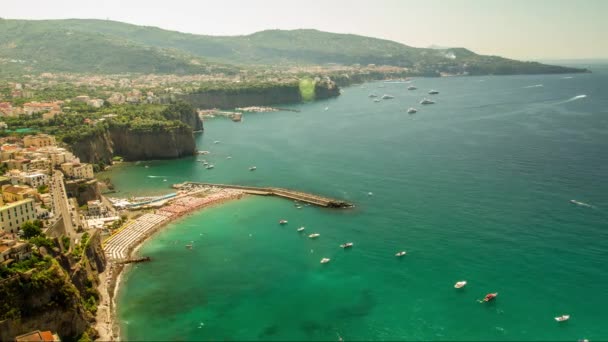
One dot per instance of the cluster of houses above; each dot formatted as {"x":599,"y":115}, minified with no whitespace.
{"x":30,"y":167}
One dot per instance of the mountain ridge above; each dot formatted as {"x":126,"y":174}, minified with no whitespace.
{"x":104,"y":46}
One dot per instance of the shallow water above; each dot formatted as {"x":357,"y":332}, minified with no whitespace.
{"x":475,"y":187}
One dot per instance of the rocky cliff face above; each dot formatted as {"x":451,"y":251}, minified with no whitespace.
{"x":229,"y":98}
{"x":144,"y":145}
{"x":94,"y":149}
{"x":53,"y":299}
{"x":83,"y":190}
{"x":326,"y":89}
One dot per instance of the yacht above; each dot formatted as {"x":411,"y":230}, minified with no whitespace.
{"x":400,"y":254}
{"x":373,"y":95}
{"x":253,"y":168}
{"x":210,"y":166}
{"x":411,"y":110}
{"x":376,"y":100}
{"x":314,"y":235}
{"x":387,"y":97}
{"x":562,"y":318}
{"x":301,"y":229}
{"x":325,"y":260}
{"x":346,"y":245}
{"x":433,"y":92}
{"x":283,"y":222}
{"x":460,"y":284}
{"x":411,"y":88}
{"x":216,"y":142}
{"x":426,"y":101}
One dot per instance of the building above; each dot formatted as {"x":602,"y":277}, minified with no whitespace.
{"x":14,"y":193}
{"x":35,"y":180}
{"x":39,"y":107}
{"x":13,"y":215}
{"x":95,"y":208}
{"x":39,"y":140}
{"x":38,"y":336}
{"x":75,"y":170}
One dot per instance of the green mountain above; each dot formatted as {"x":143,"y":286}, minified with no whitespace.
{"x":109,"y":46}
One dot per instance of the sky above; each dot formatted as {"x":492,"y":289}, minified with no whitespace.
{"x":520,"y":29}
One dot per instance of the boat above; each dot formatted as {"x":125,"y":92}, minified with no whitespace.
{"x":210,"y":166}
{"x":489,"y":297}
{"x":216,"y":142}
{"x":314,"y":235}
{"x":400,"y":254}
{"x":229,"y":157}
{"x":301,"y":229}
{"x":411,"y":110}
{"x":189,"y":246}
{"x":346,"y":245}
{"x":376,"y":100}
{"x":460,"y":284}
{"x":298,"y":207}
{"x":373,"y":95}
{"x":426,"y":101}
{"x":562,"y":318}
{"x":370,"y":194}
{"x":433,"y":92}
{"x":325,"y":260}
{"x":387,"y":97}
{"x":205,"y":163}
{"x":326,"y":108}
{"x":253,"y":168}
{"x":282,"y":221}
{"x":411,"y":88}
{"x":203,"y":152}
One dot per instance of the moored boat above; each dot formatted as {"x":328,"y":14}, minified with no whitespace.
{"x":433,"y":92}
{"x":489,"y":297}
{"x":460,"y":284}
{"x":301,"y":229}
{"x":411,"y":88}
{"x":282,"y":221}
{"x":253,"y":168}
{"x":562,"y":318}
{"x":314,"y":235}
{"x":426,"y":102}
{"x":387,"y":97}
{"x":411,"y":110}
{"x":325,"y":260}
{"x":400,"y":254}
{"x":346,"y":245}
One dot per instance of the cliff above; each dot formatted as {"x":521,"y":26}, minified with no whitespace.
{"x":83,"y":190}
{"x":326,"y":89}
{"x":231,"y":96}
{"x":134,"y":144}
{"x":54,"y":297}
{"x":94,"y":148}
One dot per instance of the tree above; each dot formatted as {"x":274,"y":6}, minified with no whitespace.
{"x":30,"y":230}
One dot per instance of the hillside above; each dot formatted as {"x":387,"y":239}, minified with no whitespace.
{"x":108,"y":46}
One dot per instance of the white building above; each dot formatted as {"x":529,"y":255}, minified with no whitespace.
{"x":13,"y":215}
{"x":36,"y":179}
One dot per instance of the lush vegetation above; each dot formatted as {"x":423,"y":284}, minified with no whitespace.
{"x":307,"y":89}
{"x":102,"y":46}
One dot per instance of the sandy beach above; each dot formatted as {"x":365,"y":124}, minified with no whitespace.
{"x":110,"y":280}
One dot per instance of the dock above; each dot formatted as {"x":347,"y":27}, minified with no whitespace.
{"x":304,"y":197}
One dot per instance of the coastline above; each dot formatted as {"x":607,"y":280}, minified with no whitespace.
{"x":106,"y":322}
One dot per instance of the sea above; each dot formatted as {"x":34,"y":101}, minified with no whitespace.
{"x":475,"y":187}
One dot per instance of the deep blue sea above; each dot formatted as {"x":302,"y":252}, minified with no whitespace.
{"x":476,"y":187}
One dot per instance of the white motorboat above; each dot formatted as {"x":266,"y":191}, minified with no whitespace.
{"x":387,"y":97}
{"x":210,"y":166}
{"x":282,"y":221}
{"x":426,"y":102}
{"x":314,"y":235}
{"x":376,"y":100}
{"x":411,"y":88}
{"x":203,"y":152}
{"x":216,"y":142}
{"x":411,"y":110}
{"x":229,"y":157}
{"x":326,"y":108}
{"x":400,"y":254}
{"x":562,"y":318}
{"x":301,"y":229}
{"x":346,"y":245}
{"x":460,"y":284}
{"x":325,"y":260}
{"x":433,"y":92}
{"x":253,"y":168}
{"x":373,"y":95}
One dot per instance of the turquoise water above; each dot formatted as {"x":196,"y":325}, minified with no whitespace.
{"x":475,"y":187}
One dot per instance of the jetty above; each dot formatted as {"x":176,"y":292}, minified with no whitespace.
{"x":305,"y":197}
{"x":133,"y":260}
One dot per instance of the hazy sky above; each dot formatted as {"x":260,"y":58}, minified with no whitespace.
{"x":523,"y":29}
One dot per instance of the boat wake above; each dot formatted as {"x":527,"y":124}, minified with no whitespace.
{"x":581,"y":204}
{"x":577,"y":97}
{"x":567,"y":77}
{"x":157,"y":176}
{"x":534,"y":86}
